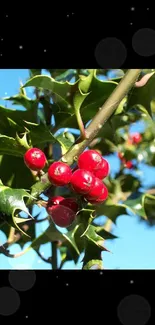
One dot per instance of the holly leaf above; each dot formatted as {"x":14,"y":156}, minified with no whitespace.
{"x":65,"y":142}
{"x":142,"y":96}
{"x":11,"y":146}
{"x":66,"y":76}
{"x":17,"y":116}
{"x":92,"y":236}
{"x":61,"y":90}
{"x":92,"y":257}
{"x":51,"y":234}
{"x":34,"y":72}
{"x":70,"y":236}
{"x":40,"y":133}
{"x":11,"y":201}
{"x":138,"y":205}
{"x":21,"y":99}
{"x":12,"y":172}
{"x":104,"y":233}
{"x":111,"y":210}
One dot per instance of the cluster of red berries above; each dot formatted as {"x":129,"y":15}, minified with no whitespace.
{"x":134,"y":138}
{"x":85,"y":181}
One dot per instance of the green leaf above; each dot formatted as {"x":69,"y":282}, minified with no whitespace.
{"x":143,"y":96}
{"x":12,"y":172}
{"x":34,"y":72}
{"x":11,"y":146}
{"x":70,"y":236}
{"x":92,"y":236}
{"x":137,"y":205}
{"x":40,"y":133}
{"x":85,"y":81}
{"x":11,"y":201}
{"x":51,"y":234}
{"x":65,"y":142}
{"x":66,"y":76}
{"x":129,"y":183}
{"x":85,"y":217}
{"x":17,"y":116}
{"x":22,"y":100}
{"x":104,"y":233}
{"x":93,"y":265}
{"x":111,"y":210}
{"x":61,"y":90}
{"x":92,"y":258}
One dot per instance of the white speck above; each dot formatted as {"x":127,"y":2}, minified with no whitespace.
{"x":66,"y":130}
{"x":1,"y":54}
{"x":138,"y":206}
{"x":140,"y":157}
{"x":152,"y":148}
{"x":68,"y":94}
{"x":57,"y":276}
{"x":148,"y":8}
{"x":42,"y":253}
{"x":69,"y":106}
{"x":131,"y":281}
{"x":67,"y":284}
{"x":100,"y":108}
{"x":131,"y":24}
{"x":101,"y":273}
{"x":6,"y":16}
{"x":100,"y":126}
{"x":72,"y":13}
{"x":132,"y":8}
{"x":5,"y":93}
{"x":67,"y":16}
{"x":45,"y":50}
{"x":1,"y":39}
{"x":26,"y":316}
{"x":39,"y":261}
{"x":20,"y":47}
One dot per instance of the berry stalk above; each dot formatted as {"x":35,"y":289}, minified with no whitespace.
{"x":94,"y":127}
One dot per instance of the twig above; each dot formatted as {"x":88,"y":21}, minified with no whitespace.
{"x":108,"y":108}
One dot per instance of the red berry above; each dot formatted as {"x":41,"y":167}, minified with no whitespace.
{"x":129,"y":164}
{"x":59,"y":173}
{"x":97,"y":190}
{"x":70,"y":203}
{"x":35,"y":159}
{"x":136,"y":137}
{"x":55,"y":200}
{"x":120,"y":155}
{"x":61,"y":215}
{"x":90,"y":160}
{"x":82,"y":181}
{"x":102,"y":198}
{"x":103,"y":171}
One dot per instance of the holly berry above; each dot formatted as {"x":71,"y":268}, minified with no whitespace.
{"x":102,"y":197}
{"x":96,"y":191}
{"x":35,"y":159}
{"x":70,"y":203}
{"x":129,"y":164}
{"x":136,"y":137}
{"x":55,"y":200}
{"x":59,"y":173}
{"x":120,"y":155}
{"x":90,"y":160}
{"x":103,"y":171}
{"x":61,"y":215}
{"x":82,"y":181}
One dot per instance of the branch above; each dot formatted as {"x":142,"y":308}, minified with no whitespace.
{"x":108,"y":108}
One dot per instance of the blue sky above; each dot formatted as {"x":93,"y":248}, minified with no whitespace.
{"x":134,"y":249}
